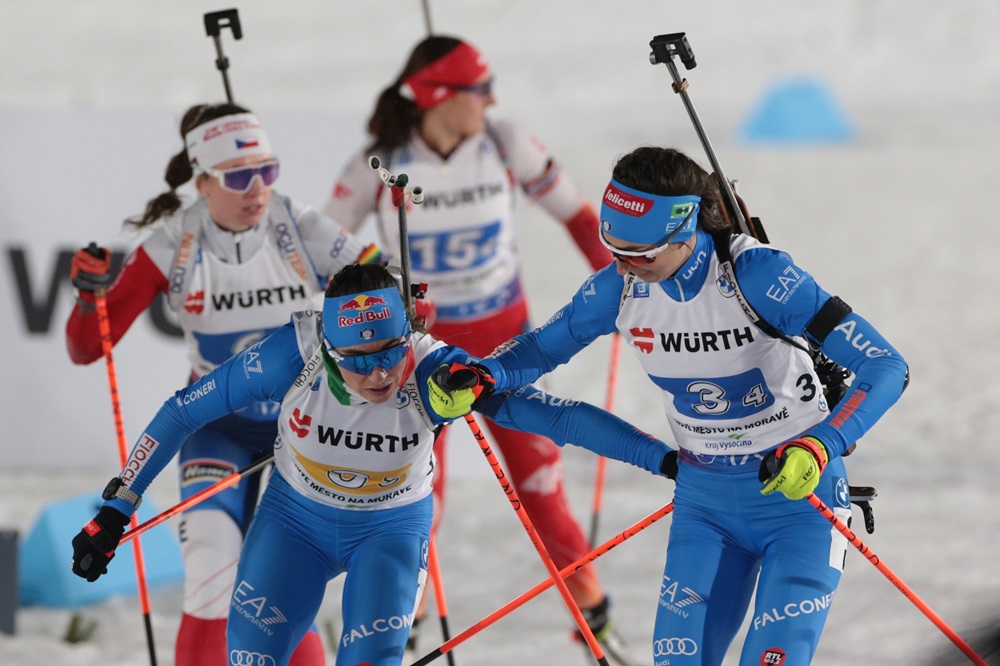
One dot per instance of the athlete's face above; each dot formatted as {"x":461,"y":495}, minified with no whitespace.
{"x":464,"y":113}
{"x":380,"y":384}
{"x":230,"y":210}
{"x":662,"y":265}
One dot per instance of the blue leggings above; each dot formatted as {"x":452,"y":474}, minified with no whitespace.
{"x":295,"y":546}
{"x":726,"y":541}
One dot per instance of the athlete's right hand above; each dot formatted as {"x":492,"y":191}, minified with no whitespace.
{"x":95,"y":545}
{"x":452,"y":389}
{"x":91,"y":268}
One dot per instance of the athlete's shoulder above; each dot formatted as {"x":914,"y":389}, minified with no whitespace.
{"x":308,"y":328}
{"x":605,"y":285}
{"x":424,"y":344}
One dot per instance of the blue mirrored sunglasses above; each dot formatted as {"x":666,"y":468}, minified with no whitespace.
{"x":240,"y":179}
{"x":363,"y":364}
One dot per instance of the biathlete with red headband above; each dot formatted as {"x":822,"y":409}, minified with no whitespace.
{"x":431,"y":124}
{"x":351,"y":492}
{"x":233,"y":265}
{"x":745,"y":407}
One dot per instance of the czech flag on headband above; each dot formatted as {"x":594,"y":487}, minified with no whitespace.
{"x":647,"y":219}
{"x":370,"y":316}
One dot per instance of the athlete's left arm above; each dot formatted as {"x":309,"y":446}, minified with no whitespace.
{"x":264,"y":371}
{"x":571,"y":422}
{"x":329,"y":245}
{"x":789,"y":299}
{"x":544,"y":181}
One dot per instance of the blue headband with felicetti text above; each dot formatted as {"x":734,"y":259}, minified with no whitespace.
{"x":648,"y":219}
{"x":370,"y":316}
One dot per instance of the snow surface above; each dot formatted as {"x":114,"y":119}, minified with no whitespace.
{"x":900,"y":222}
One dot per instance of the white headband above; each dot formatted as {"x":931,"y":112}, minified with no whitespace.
{"x":226,"y":138}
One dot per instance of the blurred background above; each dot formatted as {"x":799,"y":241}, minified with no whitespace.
{"x":863,"y":133}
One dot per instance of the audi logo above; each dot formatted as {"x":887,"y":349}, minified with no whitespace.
{"x":247,"y":658}
{"x":674,"y":646}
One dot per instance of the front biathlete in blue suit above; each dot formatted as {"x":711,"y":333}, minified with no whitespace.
{"x":744,"y":407}
{"x":354,"y":459}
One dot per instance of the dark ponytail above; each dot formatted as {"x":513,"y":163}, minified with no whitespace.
{"x":179,"y":169}
{"x":395,"y":117}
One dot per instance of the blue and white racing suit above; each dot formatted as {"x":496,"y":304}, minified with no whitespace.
{"x":731,"y":394}
{"x":351,"y":491}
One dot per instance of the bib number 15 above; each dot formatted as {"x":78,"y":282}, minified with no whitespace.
{"x":454,"y":250}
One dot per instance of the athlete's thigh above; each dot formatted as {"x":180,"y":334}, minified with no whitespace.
{"x":279,"y":587}
{"x":384,"y":575}
{"x":799,"y":576}
{"x":706,"y":588}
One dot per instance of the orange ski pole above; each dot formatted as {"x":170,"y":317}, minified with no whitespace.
{"x":104,"y":326}
{"x":536,"y":541}
{"x":565,"y":572}
{"x":894,"y":579}
{"x":434,"y":570}
{"x":197,"y":498}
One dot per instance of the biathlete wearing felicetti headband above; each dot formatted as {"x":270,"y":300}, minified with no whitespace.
{"x":354,"y":460}
{"x":747,"y":410}
{"x":233,"y":265}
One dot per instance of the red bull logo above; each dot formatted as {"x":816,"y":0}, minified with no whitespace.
{"x":361,"y":302}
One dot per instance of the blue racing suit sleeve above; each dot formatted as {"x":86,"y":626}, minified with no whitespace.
{"x":572,"y":422}
{"x":591,"y":314}
{"x":788,"y":298}
{"x":264,"y":371}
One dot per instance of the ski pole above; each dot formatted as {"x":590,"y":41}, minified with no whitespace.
{"x":198,"y":497}
{"x":565,"y":572}
{"x":894,"y":579}
{"x":214,"y":23}
{"x":104,"y":326}
{"x":439,"y":600}
{"x":536,"y":541}
{"x":602,"y":462}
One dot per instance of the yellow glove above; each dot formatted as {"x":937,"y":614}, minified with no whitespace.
{"x":452,"y":389}
{"x":794,"y":468}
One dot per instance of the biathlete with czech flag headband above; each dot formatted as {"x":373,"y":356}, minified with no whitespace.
{"x":354,"y":462}
{"x":746,"y":409}
{"x":233,"y":264}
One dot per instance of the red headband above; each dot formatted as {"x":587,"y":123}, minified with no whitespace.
{"x":462,"y":66}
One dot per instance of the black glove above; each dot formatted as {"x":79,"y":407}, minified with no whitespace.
{"x":95,"y":545}
{"x":91,"y":268}
{"x":668,"y":467}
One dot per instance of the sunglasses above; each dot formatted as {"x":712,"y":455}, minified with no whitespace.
{"x":239,"y":180}
{"x":363,"y":364}
{"x":484,"y":89}
{"x":640,"y":257}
